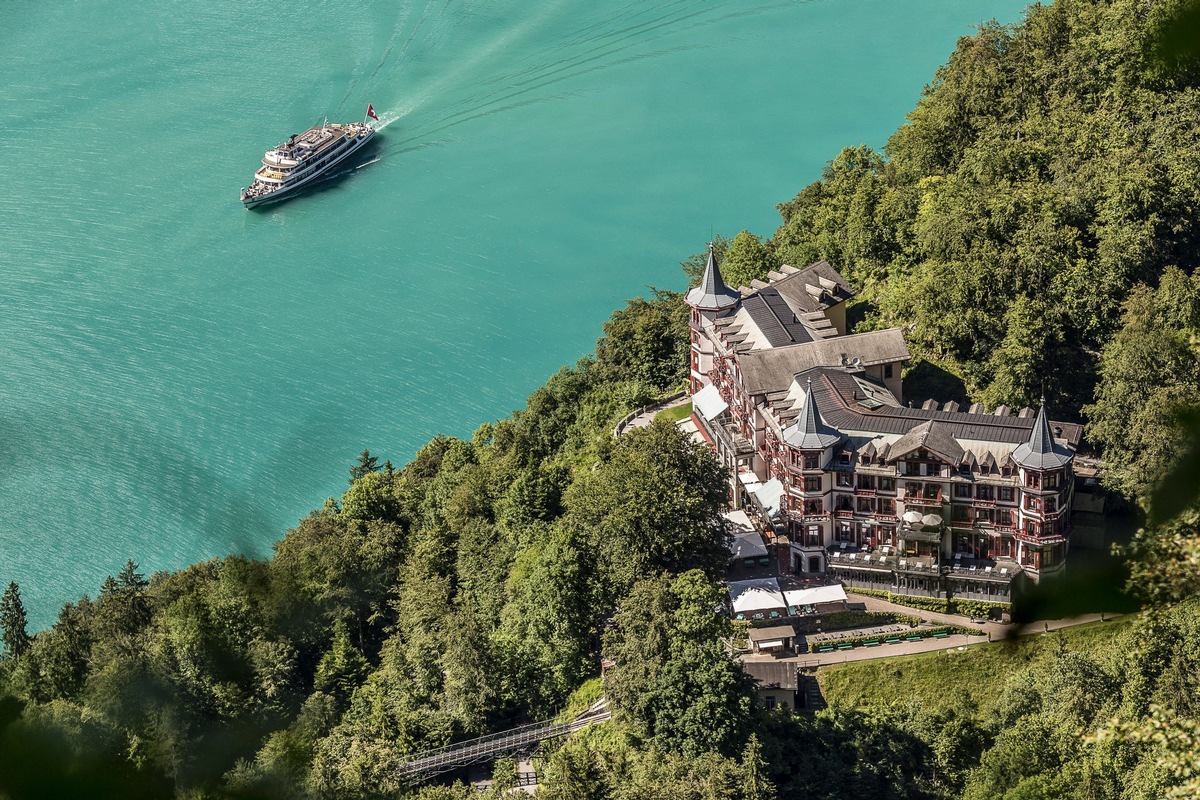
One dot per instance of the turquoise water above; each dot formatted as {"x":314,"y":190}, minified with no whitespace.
{"x":181,"y":378}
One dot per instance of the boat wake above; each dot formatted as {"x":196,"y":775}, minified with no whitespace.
{"x":517,"y":58}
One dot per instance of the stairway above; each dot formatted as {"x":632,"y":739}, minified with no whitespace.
{"x":810,"y":694}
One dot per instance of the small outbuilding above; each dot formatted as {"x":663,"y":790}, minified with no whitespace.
{"x":775,"y":640}
{"x":776,"y":682}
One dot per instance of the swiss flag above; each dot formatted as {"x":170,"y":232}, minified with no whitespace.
{"x":371,"y":112}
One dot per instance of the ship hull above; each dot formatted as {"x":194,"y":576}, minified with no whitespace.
{"x":290,"y":190}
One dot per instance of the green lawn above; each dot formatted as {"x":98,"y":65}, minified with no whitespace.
{"x":675,"y":414}
{"x":979,"y":672}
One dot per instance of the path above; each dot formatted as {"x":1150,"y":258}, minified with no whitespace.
{"x":645,"y":415}
{"x":997,"y":630}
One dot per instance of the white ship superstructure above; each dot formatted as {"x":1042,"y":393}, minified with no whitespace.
{"x":304,"y":158}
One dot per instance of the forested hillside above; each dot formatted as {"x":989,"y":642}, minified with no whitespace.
{"x":455,"y":596}
{"x":1049,"y":170}
{"x":1032,"y":228}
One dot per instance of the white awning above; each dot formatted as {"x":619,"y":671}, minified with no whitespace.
{"x":755,"y":595}
{"x":737,"y":522}
{"x":814,"y":595}
{"x":769,"y":644}
{"x":709,"y":403}
{"x":749,"y":480}
{"x":770,"y":496}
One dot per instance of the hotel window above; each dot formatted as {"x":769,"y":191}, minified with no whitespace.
{"x":1032,"y":503}
{"x":983,"y":492}
{"x":1052,"y":480}
{"x":887,"y":370}
{"x":845,"y":480}
{"x":960,"y":513}
{"x":844,"y":459}
{"x":1006,"y":493}
{"x":844,"y":532}
{"x":887,"y":485}
{"x":962,"y":490}
{"x":812,"y":484}
{"x":1004,"y":517}
{"x":1033,"y":480}
{"x":811,"y":462}
{"x":864,"y":505}
{"x":983,"y":515}
{"x":813,"y":536}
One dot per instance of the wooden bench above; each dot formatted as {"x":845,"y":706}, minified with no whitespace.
{"x":940,"y":634}
{"x":845,"y":646}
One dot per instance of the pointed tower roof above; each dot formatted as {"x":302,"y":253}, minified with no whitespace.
{"x":1041,"y":451}
{"x":712,"y":294}
{"x":809,"y":431}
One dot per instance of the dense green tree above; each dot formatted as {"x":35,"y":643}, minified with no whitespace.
{"x":646,"y":341}
{"x":653,"y":505}
{"x":14,"y":622}
{"x":747,"y":259}
{"x":342,"y":668}
{"x":366,"y":465}
{"x":673,"y":680}
{"x":1148,"y":372}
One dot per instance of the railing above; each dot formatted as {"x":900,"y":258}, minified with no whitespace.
{"x":430,"y":763}
{"x":659,"y":405}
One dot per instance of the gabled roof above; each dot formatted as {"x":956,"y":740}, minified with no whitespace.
{"x":772,"y":370}
{"x":934,"y":437}
{"x":814,"y":288}
{"x":839,"y":393}
{"x":1041,"y":451}
{"x":712,"y":293}
{"x":809,"y":432}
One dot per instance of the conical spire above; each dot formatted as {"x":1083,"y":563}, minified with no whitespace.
{"x":809,"y":431}
{"x":712,"y":294}
{"x":1041,"y":451}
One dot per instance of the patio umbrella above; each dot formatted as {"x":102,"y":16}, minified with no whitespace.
{"x":931,"y":520}
{"x":911,"y":516}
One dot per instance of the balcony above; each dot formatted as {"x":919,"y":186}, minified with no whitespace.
{"x":844,"y":513}
{"x":981,"y":503}
{"x":919,"y":535}
{"x":732,"y":439}
{"x":864,"y":492}
{"x":923,"y":498}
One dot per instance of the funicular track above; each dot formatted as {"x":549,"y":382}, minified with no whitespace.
{"x":525,"y":739}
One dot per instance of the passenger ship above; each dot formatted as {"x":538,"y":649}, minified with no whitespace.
{"x":304,"y":158}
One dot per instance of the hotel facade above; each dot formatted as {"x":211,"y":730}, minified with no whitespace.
{"x":848,"y":481}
